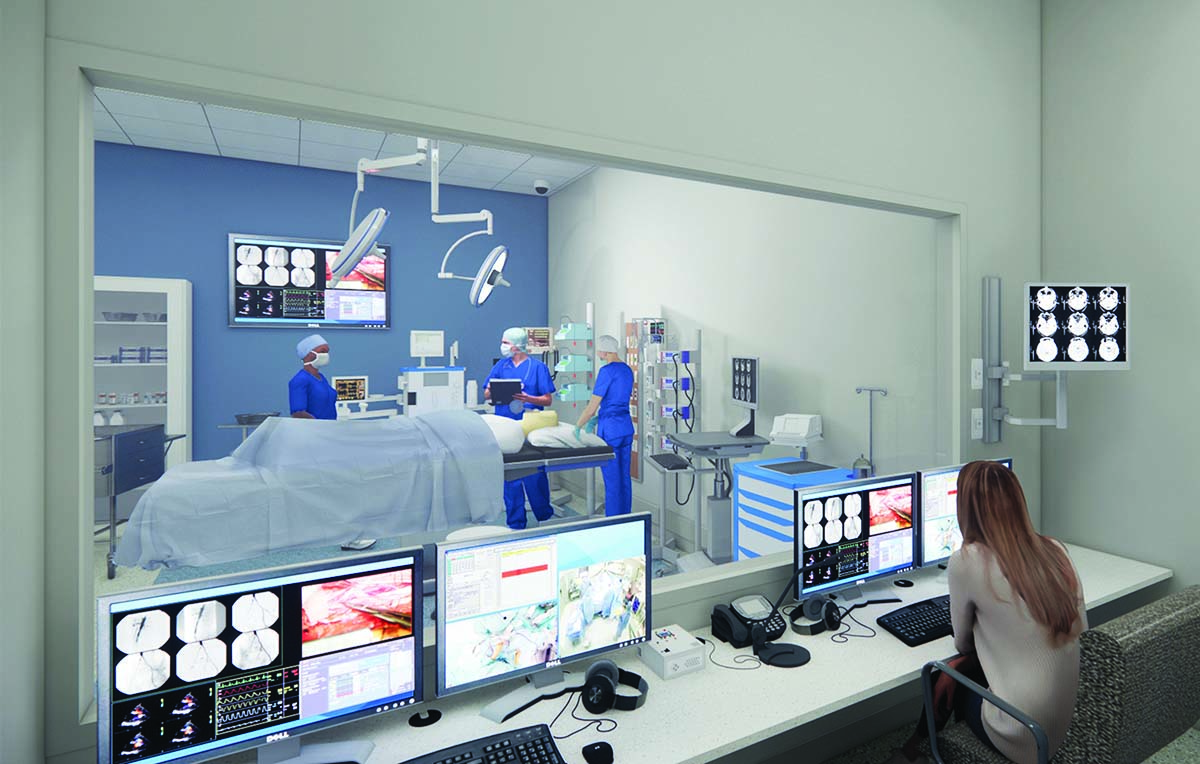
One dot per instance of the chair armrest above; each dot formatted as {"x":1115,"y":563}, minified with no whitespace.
{"x":1039,"y":735}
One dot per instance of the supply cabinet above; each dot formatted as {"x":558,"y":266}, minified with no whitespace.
{"x":764,"y":502}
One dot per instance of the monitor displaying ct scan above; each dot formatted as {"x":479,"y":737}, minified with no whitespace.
{"x":1077,"y":327}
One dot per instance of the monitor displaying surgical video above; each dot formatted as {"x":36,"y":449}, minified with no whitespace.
{"x":1077,"y":327}
{"x":275,"y":282}
{"x":864,"y":529}
{"x":512,"y":606}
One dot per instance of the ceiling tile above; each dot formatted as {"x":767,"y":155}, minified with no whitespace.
{"x":235,"y":152}
{"x":407,"y":173}
{"x":487,"y":185}
{"x":102,"y":120}
{"x":398,"y":144}
{"x":478,"y":155}
{"x":340,"y":135}
{"x":238,"y":139}
{"x":164,"y":130}
{"x":224,"y":118}
{"x":322,"y":164}
{"x":462,"y":171}
{"x":158,"y":142}
{"x":152,"y":107}
{"x":111,"y":136}
{"x":346,"y":155}
{"x":515,"y":189}
{"x":527,"y":179}
{"x":557,"y":167}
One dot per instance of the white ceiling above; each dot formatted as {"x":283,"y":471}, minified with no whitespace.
{"x":165,"y":123}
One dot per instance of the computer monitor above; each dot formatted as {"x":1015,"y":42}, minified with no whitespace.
{"x":528,"y":602}
{"x":940,"y":536}
{"x":744,"y":383}
{"x":201,"y":669}
{"x":869,"y":523}
{"x":1077,"y":327}
{"x":351,"y":388}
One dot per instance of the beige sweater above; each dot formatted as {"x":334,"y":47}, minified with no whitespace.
{"x":1023,"y":667}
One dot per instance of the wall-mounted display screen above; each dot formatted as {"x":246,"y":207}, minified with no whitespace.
{"x":1077,"y":327}
{"x":277,"y":282}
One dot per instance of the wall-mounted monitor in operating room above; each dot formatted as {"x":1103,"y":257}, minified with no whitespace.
{"x":283,"y":283}
{"x":744,"y":382}
{"x":523,"y":602}
{"x":1077,"y":327}
{"x":202,"y":669}
{"x":940,"y":535}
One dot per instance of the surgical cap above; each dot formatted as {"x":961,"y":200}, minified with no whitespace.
{"x":306,"y":345}
{"x":517,"y":337}
{"x":607,"y":344}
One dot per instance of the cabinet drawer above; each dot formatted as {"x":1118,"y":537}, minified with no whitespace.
{"x":136,"y":468}
{"x":773,"y":493}
{"x":754,"y":539}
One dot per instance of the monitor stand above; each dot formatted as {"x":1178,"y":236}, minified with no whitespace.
{"x":876,"y":590}
{"x":549,"y":683}
{"x":290,"y":751}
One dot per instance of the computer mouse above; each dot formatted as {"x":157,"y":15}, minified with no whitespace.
{"x":903,"y":583}
{"x":598,"y":753}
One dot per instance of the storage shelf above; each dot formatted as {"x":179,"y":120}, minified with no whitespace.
{"x":130,"y":323}
{"x":119,"y":365}
{"x":123,"y":406}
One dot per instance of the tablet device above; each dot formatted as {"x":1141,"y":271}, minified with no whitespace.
{"x":503,"y":390}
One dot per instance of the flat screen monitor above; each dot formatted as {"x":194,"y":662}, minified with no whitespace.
{"x":198,"y":670}
{"x":868,"y":523}
{"x":281,"y":282}
{"x":520,"y":603}
{"x":940,"y":535}
{"x":744,"y":382}
{"x":1077,"y":327}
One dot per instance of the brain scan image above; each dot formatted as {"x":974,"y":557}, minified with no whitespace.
{"x":277,"y":276}
{"x":812,"y":536}
{"x":256,"y":649}
{"x":252,"y":612}
{"x":1109,"y":299}
{"x":833,"y":531}
{"x":852,"y":527}
{"x":200,"y":621}
{"x":248,"y":254}
{"x":140,"y":632}
{"x":1077,"y":324}
{"x":200,"y":660}
{"x":1077,"y":299}
{"x":303,"y":258}
{"x":143,"y":672}
{"x":1046,"y":324}
{"x":1077,"y":349}
{"x":304,"y":277}
{"x":250,"y":275}
{"x":1046,"y":299}
{"x":1108,"y":324}
{"x":1109,"y":349}
{"x":833,"y":508}
{"x":812,"y":512}
{"x":1046,"y":350}
{"x":853,"y":505}
{"x":277,"y":256}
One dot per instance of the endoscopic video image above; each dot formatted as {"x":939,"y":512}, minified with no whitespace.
{"x":501,"y":642}
{"x":337,"y":615}
{"x":891,"y":509}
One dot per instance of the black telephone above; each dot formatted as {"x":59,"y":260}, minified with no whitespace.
{"x":733,"y":623}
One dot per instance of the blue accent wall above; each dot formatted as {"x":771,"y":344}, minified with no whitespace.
{"x":167,"y":214}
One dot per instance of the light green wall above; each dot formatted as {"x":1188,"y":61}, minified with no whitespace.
{"x":1122,"y":154}
{"x":932,"y":105}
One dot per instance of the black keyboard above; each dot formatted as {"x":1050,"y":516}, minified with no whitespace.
{"x":919,"y":622}
{"x":528,"y":745}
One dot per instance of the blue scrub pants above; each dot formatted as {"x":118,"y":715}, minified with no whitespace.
{"x":618,"y":485}
{"x":537,"y":487}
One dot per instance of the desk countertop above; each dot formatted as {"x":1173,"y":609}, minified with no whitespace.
{"x":690,"y":720}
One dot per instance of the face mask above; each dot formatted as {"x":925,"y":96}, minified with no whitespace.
{"x":506,"y":350}
{"x":321,"y":360}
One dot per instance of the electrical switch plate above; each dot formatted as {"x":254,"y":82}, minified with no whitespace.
{"x":977,"y":424}
{"x":976,"y":373}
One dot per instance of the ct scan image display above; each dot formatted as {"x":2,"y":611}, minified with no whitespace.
{"x":1077,"y":326}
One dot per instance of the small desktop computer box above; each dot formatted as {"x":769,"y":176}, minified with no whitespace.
{"x":672,"y":652}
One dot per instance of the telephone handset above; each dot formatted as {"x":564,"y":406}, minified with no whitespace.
{"x":733,"y":623}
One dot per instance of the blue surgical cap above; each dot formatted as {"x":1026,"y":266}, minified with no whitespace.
{"x":306,"y":345}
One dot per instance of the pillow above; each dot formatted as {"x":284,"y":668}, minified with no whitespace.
{"x":563,"y":436}
{"x":536,"y":420}
{"x":508,"y":432}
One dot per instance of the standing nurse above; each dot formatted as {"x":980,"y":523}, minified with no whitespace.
{"x":537,"y":391}
{"x":309,"y":394}
{"x":614,"y":386}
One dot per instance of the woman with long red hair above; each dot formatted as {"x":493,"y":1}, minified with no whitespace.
{"x":1017,"y":609}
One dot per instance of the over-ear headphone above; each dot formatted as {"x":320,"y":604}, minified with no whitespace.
{"x":820,"y":615}
{"x":600,"y":688}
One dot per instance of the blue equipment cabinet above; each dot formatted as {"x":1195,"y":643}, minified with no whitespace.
{"x":764,"y":503}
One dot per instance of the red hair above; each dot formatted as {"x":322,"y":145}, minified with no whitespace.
{"x":992,"y":512}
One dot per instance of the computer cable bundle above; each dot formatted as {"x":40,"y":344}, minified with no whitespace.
{"x":688,"y":423}
{"x":747,"y":659}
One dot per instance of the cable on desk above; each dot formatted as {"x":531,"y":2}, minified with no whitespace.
{"x":844,"y":636}
{"x":712,"y":649}
{"x":578,"y":697}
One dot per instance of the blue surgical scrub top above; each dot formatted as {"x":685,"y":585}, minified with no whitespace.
{"x":312,"y":394}
{"x":535,"y":380}
{"x":614,"y":385}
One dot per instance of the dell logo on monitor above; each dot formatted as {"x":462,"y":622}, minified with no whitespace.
{"x":277,"y":737}
{"x":552,"y":664}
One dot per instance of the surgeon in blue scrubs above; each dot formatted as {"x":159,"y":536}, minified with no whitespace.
{"x":610,"y":400}
{"x":309,"y":392}
{"x":537,"y":392}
